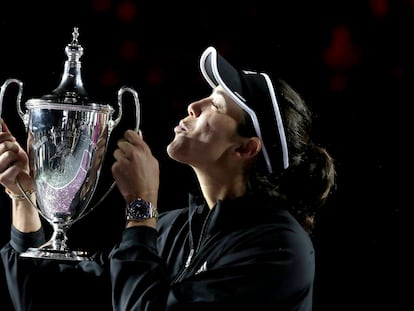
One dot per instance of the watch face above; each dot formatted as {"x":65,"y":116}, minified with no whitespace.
{"x":140,"y":210}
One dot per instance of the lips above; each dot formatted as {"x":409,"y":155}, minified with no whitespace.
{"x":180,"y":128}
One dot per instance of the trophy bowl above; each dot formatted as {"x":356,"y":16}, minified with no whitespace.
{"x":67,"y":138}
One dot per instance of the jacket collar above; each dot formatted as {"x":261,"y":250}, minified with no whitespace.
{"x":236,"y":213}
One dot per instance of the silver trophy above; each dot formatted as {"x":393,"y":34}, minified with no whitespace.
{"x":67,"y":142}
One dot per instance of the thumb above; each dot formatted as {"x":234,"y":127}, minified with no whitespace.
{"x":3,"y":126}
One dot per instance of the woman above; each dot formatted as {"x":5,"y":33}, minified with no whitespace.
{"x":243,"y":241}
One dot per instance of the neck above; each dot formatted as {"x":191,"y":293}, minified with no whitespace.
{"x":220,"y":186}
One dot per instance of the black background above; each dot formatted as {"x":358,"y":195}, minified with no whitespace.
{"x":351,"y":60}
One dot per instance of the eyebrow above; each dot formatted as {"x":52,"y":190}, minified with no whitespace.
{"x":220,"y":92}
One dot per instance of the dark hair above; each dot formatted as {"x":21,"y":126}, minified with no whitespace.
{"x":306,"y":184}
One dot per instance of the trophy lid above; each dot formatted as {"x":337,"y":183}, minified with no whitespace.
{"x":70,"y":89}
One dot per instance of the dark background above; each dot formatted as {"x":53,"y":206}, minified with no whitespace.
{"x":351,"y":61}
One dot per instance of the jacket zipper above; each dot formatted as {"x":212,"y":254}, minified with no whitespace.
{"x":193,"y":251}
{"x":190,"y":256}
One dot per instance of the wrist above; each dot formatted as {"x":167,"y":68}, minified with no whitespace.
{"x":20,"y":196}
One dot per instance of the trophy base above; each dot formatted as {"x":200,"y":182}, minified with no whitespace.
{"x":44,"y":253}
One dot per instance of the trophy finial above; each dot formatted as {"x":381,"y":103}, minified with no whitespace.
{"x":74,"y":50}
{"x":75,"y":35}
{"x":71,"y":89}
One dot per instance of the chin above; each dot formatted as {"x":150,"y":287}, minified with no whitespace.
{"x":172,"y":149}
{"x":176,"y":151}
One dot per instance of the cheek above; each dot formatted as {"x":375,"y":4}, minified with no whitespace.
{"x":213,"y":135}
{"x":216,"y":141}
{"x":220,"y":128}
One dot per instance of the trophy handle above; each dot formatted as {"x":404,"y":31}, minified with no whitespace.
{"x":115,"y":122}
{"x":121,"y":92}
{"x":18,"y":99}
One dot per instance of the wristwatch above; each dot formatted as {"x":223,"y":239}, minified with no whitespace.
{"x":140,"y":210}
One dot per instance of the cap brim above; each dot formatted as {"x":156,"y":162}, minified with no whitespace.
{"x":255,"y":94}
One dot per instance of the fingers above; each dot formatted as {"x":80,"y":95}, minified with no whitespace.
{"x":8,"y":145}
{"x":12,"y":159}
{"x":9,"y":173}
{"x":119,"y":154}
{"x":4,"y":127}
{"x":133,"y":137}
{"x":129,"y":142}
{"x":6,"y":136}
{"x":131,"y":148}
{"x":9,"y":154}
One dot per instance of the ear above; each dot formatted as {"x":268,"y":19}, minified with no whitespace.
{"x":249,"y":148}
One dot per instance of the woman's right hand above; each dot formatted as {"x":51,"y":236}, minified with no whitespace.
{"x":14,"y":163}
{"x":15,"y":171}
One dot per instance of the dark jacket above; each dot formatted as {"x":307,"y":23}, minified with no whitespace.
{"x":244,"y":253}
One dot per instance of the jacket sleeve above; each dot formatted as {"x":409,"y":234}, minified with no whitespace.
{"x":47,"y":284}
{"x":138,"y":274}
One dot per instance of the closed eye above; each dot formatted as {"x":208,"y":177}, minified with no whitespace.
{"x":216,"y":107}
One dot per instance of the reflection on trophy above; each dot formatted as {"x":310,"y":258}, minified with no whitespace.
{"x":67,"y":141}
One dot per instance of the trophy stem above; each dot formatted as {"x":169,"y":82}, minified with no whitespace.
{"x":58,"y":241}
{"x":56,"y":247}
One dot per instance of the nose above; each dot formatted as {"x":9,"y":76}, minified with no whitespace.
{"x":194,"y":109}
